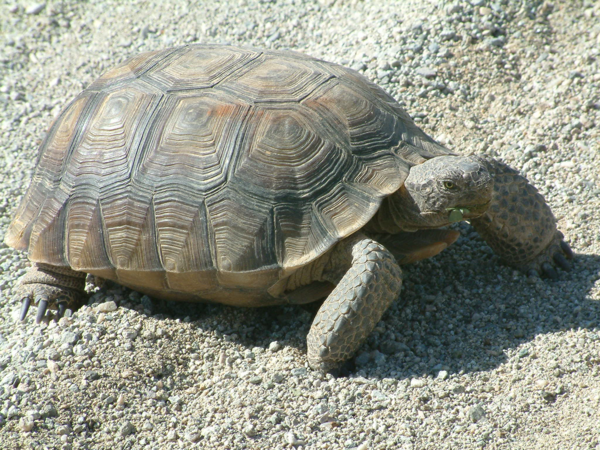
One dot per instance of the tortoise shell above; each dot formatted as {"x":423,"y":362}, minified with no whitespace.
{"x":206,"y":170}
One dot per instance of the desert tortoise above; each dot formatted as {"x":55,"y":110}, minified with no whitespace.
{"x":251,"y":178}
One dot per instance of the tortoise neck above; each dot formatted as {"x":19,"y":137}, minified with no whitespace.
{"x":397,"y":213}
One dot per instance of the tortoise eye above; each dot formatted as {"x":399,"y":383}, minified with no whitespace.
{"x":449,"y":185}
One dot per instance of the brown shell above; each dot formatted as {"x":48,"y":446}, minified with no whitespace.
{"x":204,"y":167}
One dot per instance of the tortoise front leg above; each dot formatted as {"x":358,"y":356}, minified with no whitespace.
{"x":51,"y":286}
{"x":368,"y":280}
{"x":519,"y":225}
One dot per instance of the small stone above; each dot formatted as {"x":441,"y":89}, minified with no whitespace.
{"x":453,"y":8}
{"x":362,"y":359}
{"x":63,"y":430}
{"x":390,"y":347}
{"x":9,"y":379}
{"x":378,"y":396}
{"x":459,"y":389}
{"x":476,"y":413}
{"x":495,"y":42}
{"x":255,"y":380}
{"x":65,"y":322}
{"x":549,"y":397}
{"x":485,"y":11}
{"x":106,"y":307}
{"x":172,"y":435}
{"x":278,"y":378}
{"x":274,"y":346}
{"x":434,"y":47}
{"x":34,"y":414}
{"x":121,"y":401}
{"x":69,"y":337}
{"x":130,"y":334}
{"x":13,"y":411}
{"x":26,"y":424}
{"x":49,"y":411}
{"x":52,"y":366}
{"x":417,"y":383}
{"x":92,"y":375}
{"x":35,"y":9}
{"x":192,"y":436}
{"x":249,"y":430}
{"x":291,"y":439}
{"x":427,"y":72}
{"x":126,"y":429}
{"x":442,"y":375}
{"x":299,"y":372}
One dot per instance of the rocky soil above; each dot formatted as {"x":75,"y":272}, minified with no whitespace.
{"x":473,"y":355}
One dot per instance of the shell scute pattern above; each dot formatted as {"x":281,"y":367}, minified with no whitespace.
{"x":210,"y":160}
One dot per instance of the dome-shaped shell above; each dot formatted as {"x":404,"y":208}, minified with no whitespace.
{"x":233,"y":165}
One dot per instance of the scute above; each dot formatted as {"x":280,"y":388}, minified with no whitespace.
{"x":279,"y":80}
{"x":300,"y":161}
{"x":206,"y":168}
{"x":192,"y":141}
{"x":198,"y":67}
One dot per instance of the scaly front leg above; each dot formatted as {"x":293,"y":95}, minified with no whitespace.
{"x":368,"y":281}
{"x":519,"y":225}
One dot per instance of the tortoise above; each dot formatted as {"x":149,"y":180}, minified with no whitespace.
{"x":253,"y":177}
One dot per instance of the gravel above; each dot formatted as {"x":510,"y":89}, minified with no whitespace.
{"x":474,"y":355}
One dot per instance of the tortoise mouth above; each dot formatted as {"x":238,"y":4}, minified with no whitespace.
{"x":477,"y":210}
{"x":458,"y":213}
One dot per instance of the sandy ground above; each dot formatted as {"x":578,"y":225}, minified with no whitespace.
{"x":473,"y":355}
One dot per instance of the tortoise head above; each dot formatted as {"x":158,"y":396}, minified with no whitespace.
{"x":444,"y":190}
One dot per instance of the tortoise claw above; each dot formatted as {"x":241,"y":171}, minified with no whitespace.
{"x":25,"y":307}
{"x":62,"y":308}
{"x":566,"y":249}
{"x":562,"y":262}
{"x":41,"y":312}
{"x":549,"y":271}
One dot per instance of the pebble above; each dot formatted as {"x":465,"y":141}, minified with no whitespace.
{"x":106,"y":307}
{"x":192,"y":436}
{"x":417,"y":383}
{"x":52,"y":366}
{"x":126,"y":429}
{"x":172,"y":435}
{"x":249,"y":430}
{"x":427,"y":72}
{"x":69,"y":337}
{"x":495,"y":42}
{"x":26,"y":424}
{"x":274,"y":346}
{"x":476,"y":413}
{"x":63,"y":430}
{"x":291,"y":439}
{"x":35,"y":9}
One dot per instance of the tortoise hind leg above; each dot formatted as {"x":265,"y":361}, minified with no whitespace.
{"x":368,"y":281}
{"x":51,"y":287}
